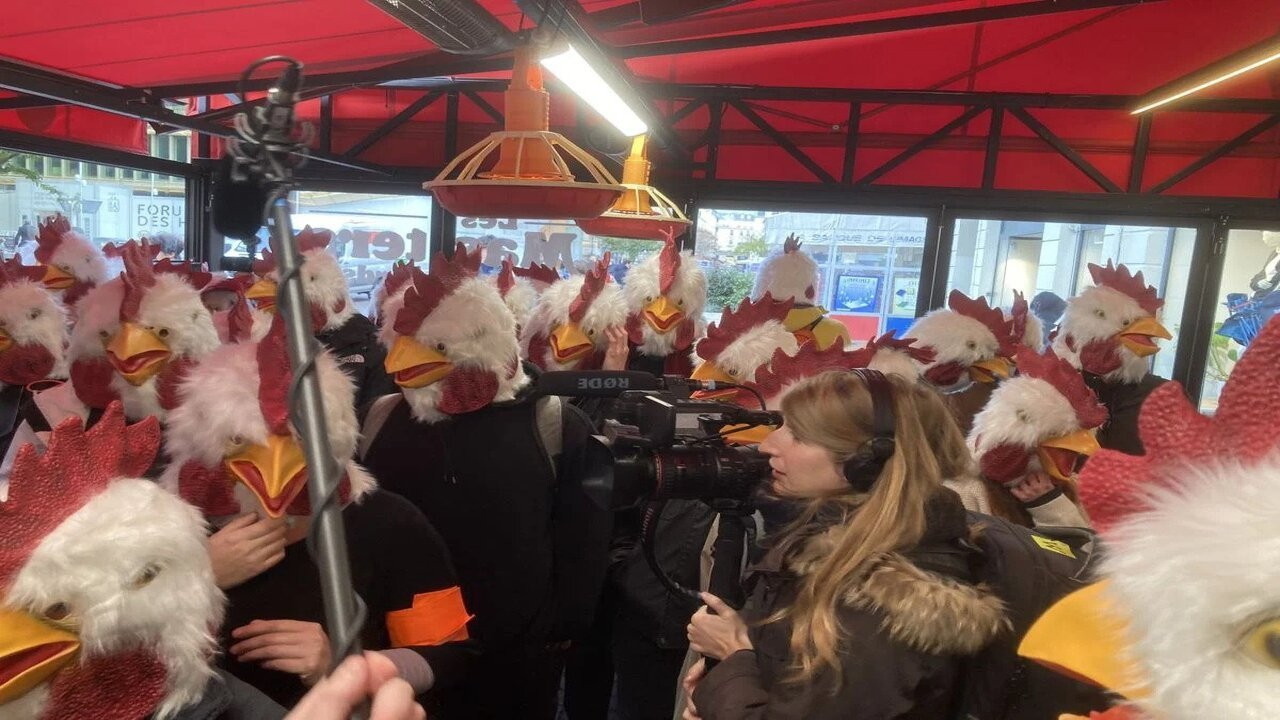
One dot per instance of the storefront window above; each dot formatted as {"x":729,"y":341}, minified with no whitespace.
{"x":869,"y":264}
{"x":560,"y":244}
{"x":991,"y":258}
{"x":105,"y":203}
{"x":1247,"y":299}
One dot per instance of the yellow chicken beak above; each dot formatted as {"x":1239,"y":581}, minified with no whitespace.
{"x":263,"y":295}
{"x":1084,"y":636}
{"x":662,"y":315}
{"x":569,"y":344}
{"x":274,"y":472}
{"x":6,"y":341}
{"x":989,"y":370}
{"x":1139,"y":336}
{"x":749,"y":435}
{"x":708,"y":372}
{"x":55,"y":278}
{"x":30,"y":653}
{"x":413,"y":365}
{"x":137,"y":353}
{"x":1059,"y":455}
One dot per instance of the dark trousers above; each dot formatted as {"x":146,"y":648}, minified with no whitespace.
{"x":646,"y":675}
{"x":511,"y":683}
{"x":588,"y":668}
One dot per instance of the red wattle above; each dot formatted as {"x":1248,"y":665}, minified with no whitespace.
{"x":467,"y":390}
{"x":25,"y":364}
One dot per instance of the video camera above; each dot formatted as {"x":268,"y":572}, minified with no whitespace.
{"x":658,"y":443}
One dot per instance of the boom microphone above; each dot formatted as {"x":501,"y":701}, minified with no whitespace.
{"x":594,"y":383}
{"x":237,"y":204}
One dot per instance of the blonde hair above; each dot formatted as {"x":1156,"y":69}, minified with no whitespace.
{"x":834,"y":411}
{"x":947,"y":440}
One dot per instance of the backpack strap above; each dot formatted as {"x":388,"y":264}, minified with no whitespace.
{"x":374,"y":418}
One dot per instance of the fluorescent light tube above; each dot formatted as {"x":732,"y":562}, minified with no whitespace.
{"x":576,"y":73}
{"x":1209,"y":83}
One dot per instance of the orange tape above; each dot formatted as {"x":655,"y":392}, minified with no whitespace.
{"x":436,"y":618}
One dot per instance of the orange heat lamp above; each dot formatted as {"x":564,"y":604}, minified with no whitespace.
{"x":531,"y":178}
{"x":643,"y":212}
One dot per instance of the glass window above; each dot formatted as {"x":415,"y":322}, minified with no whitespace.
{"x":556,"y":243}
{"x":1247,"y":300}
{"x":993,"y":257}
{"x":104,"y":203}
{"x":869,"y":265}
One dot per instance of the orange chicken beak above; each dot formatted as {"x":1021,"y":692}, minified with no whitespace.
{"x":988,"y":371}
{"x":55,"y":278}
{"x":708,"y":372}
{"x":414,"y":365}
{"x":31,"y":651}
{"x":1139,"y":336}
{"x":662,"y":315}
{"x":1059,"y":456}
{"x":137,"y":354}
{"x":569,"y":344}
{"x":275,"y":472}
{"x":263,"y":295}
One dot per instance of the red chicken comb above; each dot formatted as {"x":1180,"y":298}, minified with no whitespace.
{"x":428,"y":291}
{"x":274,"y":377}
{"x":12,"y":270}
{"x":668,"y":262}
{"x":151,"y":252}
{"x":791,"y":244}
{"x":506,"y":277}
{"x":240,"y":320}
{"x":736,"y":321}
{"x":889,"y":341}
{"x":1175,"y":436}
{"x":784,"y":369}
{"x":979,"y":310}
{"x":47,"y":488}
{"x":49,"y":236}
{"x":1067,"y":381}
{"x":592,"y":285}
{"x":193,"y":273}
{"x":309,"y":239}
{"x":400,"y":275}
{"x":1118,"y":278}
{"x":265,"y":264}
{"x":1018,"y":318}
{"x":237,"y":283}
{"x":538,"y":273}
{"x":138,"y":276}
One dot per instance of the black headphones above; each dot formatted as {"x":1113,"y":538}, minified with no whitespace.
{"x":864,"y":467}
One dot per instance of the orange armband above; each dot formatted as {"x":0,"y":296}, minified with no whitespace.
{"x":436,"y":618}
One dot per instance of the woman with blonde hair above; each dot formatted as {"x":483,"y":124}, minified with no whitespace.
{"x":863,"y":605}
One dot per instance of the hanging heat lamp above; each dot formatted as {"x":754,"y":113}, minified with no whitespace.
{"x":643,"y":212}
{"x":531,"y":178}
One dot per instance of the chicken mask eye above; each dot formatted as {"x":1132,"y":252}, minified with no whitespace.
{"x":971,"y":345}
{"x":1263,"y":643}
{"x":56,"y":612}
{"x":35,"y":313}
{"x":143,"y":577}
{"x":1100,"y":313}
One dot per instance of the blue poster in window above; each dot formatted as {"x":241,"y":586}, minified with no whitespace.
{"x":857,"y":293}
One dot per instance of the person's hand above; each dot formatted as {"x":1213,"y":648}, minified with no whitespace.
{"x":359,"y":678}
{"x":617,"y":353}
{"x":292,"y":646}
{"x":690,"y":683}
{"x":720,"y":635}
{"x":1032,"y":487}
{"x":245,"y":548}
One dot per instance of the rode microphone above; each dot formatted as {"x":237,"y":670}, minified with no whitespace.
{"x":594,"y":383}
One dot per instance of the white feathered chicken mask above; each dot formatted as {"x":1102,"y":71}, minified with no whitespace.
{"x":33,"y":327}
{"x":233,"y":446}
{"x":791,"y":274}
{"x":323,"y":282}
{"x":138,"y":335}
{"x":452,"y":345}
{"x":1186,"y":623}
{"x":389,"y":294}
{"x":521,"y":287}
{"x":1110,"y":329}
{"x":970,"y":340}
{"x":666,"y":294}
{"x":741,"y":343}
{"x":566,"y":330}
{"x":72,"y":265}
{"x":107,"y":598}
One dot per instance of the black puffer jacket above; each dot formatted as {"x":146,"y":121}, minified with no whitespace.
{"x":1123,"y":401}
{"x":355,"y":346}
{"x":907,"y":629}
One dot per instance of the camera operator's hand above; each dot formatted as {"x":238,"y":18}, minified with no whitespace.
{"x":690,"y":683}
{"x":1033,"y":487}
{"x":359,"y":678}
{"x":720,"y":635}
{"x":616,"y":355}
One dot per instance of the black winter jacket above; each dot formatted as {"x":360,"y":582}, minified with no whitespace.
{"x":1123,"y":401}
{"x":907,"y":630}
{"x":355,"y":346}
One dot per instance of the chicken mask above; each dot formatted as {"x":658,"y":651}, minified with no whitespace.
{"x":1111,"y":329}
{"x":740,"y":344}
{"x":33,"y":327}
{"x":71,"y":264}
{"x":666,"y":294}
{"x":970,"y":341}
{"x":566,"y":330}
{"x":323,"y":281}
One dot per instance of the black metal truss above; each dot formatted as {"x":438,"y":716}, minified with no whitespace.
{"x":40,"y":145}
{"x":389,"y":126}
{"x":1065,"y":150}
{"x":1220,"y":152}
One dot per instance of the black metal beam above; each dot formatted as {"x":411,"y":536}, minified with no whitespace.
{"x":451,"y":125}
{"x":326,"y":123}
{"x":1138,"y":161}
{"x":1256,"y":53}
{"x":993,"y":148}
{"x":1222,"y":151}
{"x":1065,"y":150}
{"x":851,"y":131}
{"x":237,"y":108}
{"x":685,"y":111}
{"x":389,"y":126}
{"x":713,"y":140}
{"x":31,"y":81}
{"x":920,"y":145}
{"x":485,"y":106}
{"x":38,"y":145}
{"x":868,"y":27}
{"x":783,"y":141}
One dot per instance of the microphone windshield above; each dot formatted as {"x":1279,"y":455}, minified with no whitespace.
{"x":237,"y":205}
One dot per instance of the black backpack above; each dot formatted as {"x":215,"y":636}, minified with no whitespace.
{"x":1030,"y":570}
